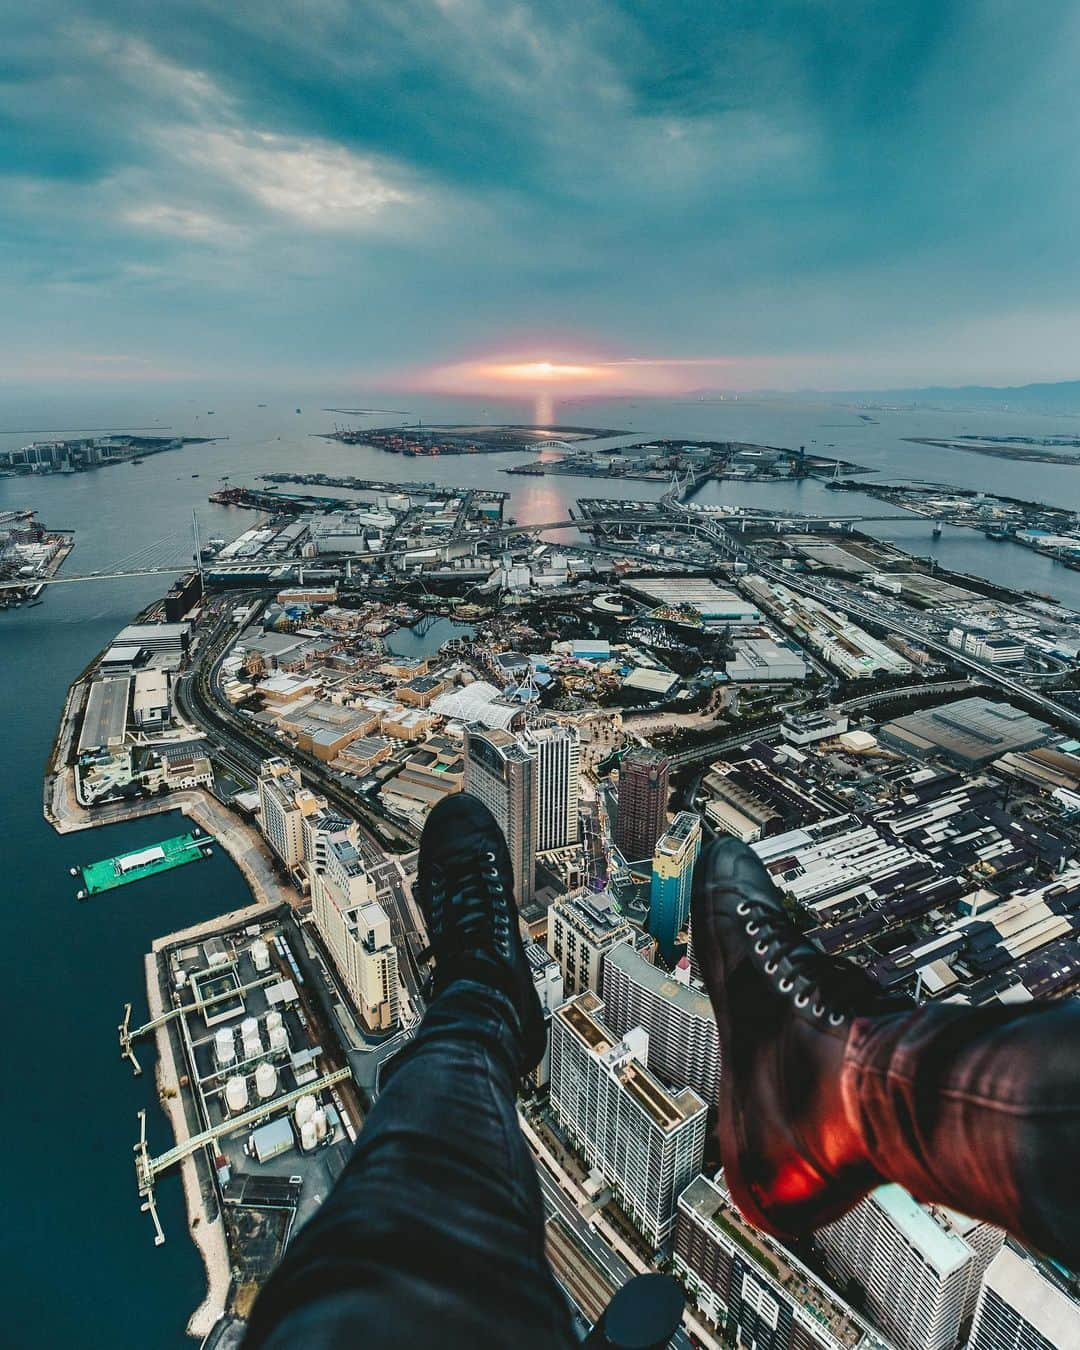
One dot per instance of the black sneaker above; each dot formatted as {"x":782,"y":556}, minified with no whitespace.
{"x":465,"y":887}
{"x":792,"y":1158}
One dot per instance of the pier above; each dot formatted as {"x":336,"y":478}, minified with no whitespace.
{"x":148,"y":1169}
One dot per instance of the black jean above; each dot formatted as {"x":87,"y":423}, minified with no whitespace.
{"x":434,"y":1233}
{"x":976,"y":1108}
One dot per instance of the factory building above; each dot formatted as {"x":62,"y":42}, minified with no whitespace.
{"x":150,"y":706}
{"x":968,"y":733}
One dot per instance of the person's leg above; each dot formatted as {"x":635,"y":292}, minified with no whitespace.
{"x":829,"y":1087}
{"x":978,"y":1109}
{"x":433,"y":1235}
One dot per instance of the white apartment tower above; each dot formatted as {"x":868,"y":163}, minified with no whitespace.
{"x":356,"y":932}
{"x":647,"y":1142}
{"x":684,"y":1046}
{"x":582,"y":926}
{"x":284,"y":802}
{"x":556,"y":752}
{"x":1024,"y":1305}
{"x":921,"y":1268}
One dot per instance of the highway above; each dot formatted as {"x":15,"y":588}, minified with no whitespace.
{"x":880,"y":616}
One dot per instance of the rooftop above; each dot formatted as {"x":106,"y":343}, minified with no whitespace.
{"x":658,"y":981}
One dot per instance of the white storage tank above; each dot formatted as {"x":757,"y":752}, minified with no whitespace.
{"x":273,"y":1019}
{"x":308,"y":1139}
{"x":265,"y":1080}
{"x":224,"y":1046}
{"x":305,"y":1109}
{"x":279,"y":1038}
{"x":249,"y":1027}
{"x":319,"y":1121}
{"x":260,"y":955}
{"x":236,"y":1094}
{"x":252,"y":1047}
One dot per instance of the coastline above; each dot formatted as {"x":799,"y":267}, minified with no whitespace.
{"x":247,"y":849}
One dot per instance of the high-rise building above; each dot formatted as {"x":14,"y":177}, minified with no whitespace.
{"x":556,"y":752}
{"x":684,"y":1046}
{"x":320,"y":830}
{"x":356,"y":932}
{"x":676,"y":853}
{"x":284,"y":802}
{"x":752,"y":1287}
{"x":548,"y":983}
{"x":502,"y":774}
{"x":582,"y":926}
{"x":920,"y":1268}
{"x":646,"y":1141}
{"x":1025,"y":1304}
{"x":643,"y":797}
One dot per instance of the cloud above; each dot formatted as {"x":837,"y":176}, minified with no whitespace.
{"x":386,"y":184}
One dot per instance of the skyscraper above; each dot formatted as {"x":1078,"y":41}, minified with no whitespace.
{"x":502,"y":774}
{"x":646,"y":1141}
{"x":920,"y":1268}
{"x":676,"y":853}
{"x":556,"y":752}
{"x":684,"y":1046}
{"x":1025,"y":1305}
{"x":582,"y":926}
{"x":643,"y":795}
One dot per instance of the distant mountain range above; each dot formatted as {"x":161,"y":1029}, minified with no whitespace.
{"x":1060,"y":397}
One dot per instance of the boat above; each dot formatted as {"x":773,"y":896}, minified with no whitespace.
{"x":298,"y":410}
{"x":194,"y":475}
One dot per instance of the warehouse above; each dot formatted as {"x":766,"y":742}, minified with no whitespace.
{"x":106,"y":716}
{"x":151,"y":703}
{"x":968,"y":733}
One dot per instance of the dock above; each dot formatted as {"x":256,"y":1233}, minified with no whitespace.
{"x":143,"y":862}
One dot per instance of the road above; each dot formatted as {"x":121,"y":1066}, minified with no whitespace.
{"x":877,"y":614}
{"x":200,"y":701}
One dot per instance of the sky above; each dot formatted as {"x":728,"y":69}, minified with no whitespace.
{"x":467,"y":195}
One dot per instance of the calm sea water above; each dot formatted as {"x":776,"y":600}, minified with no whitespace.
{"x":79,"y":1263}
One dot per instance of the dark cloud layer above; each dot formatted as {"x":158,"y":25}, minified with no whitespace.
{"x":827,"y":192}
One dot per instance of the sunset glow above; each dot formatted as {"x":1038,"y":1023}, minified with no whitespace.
{"x":567,"y":375}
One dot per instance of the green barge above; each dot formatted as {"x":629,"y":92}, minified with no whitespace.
{"x":142,"y":862}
